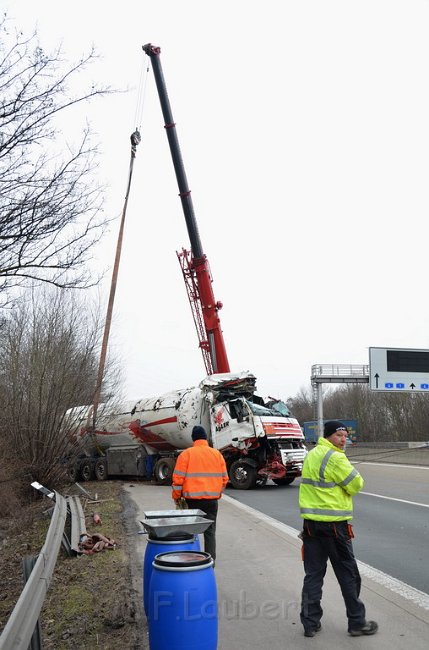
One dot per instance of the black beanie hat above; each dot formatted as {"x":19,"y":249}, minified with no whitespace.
{"x":199,"y":433}
{"x":332,"y":426}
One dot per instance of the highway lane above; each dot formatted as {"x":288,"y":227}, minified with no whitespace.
{"x":391,"y":518}
{"x":405,"y":482}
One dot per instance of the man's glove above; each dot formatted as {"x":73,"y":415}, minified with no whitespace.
{"x":181,"y":504}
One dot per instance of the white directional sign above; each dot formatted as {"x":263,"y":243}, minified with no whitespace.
{"x":399,"y":370}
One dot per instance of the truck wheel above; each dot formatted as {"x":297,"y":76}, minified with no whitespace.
{"x":287,"y":480}
{"x":86,"y":470}
{"x":242,"y":475}
{"x":100,"y":469}
{"x":73,"y":472}
{"x":163,"y":472}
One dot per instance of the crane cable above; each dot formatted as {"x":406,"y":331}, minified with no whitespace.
{"x":141,"y":91}
{"x":135,"y":139}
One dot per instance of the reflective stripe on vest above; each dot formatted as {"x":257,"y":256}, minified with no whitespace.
{"x":329,"y":513}
{"x":330,"y":484}
{"x":201,"y":495}
{"x":324,"y":463}
{"x":199,"y":474}
{"x":350,"y":477}
{"x":321,"y":484}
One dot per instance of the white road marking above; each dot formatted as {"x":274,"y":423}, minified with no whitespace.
{"x":419,"y":598}
{"x":364,"y":462}
{"x":412,"y":503}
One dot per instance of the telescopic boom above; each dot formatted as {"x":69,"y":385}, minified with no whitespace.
{"x":199,"y":263}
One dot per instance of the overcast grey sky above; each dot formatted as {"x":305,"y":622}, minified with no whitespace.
{"x":304,"y":130}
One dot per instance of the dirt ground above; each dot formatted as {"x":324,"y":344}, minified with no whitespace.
{"x":91,"y":601}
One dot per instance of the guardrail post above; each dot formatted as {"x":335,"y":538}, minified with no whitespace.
{"x":23,"y":619}
{"x":36,"y":640}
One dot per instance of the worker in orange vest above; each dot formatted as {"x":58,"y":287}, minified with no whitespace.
{"x":200,"y":477}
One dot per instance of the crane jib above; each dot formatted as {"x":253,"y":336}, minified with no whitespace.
{"x":205,"y":301}
{"x":170,"y":129}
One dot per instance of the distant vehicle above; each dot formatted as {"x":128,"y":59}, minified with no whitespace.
{"x":311,"y":430}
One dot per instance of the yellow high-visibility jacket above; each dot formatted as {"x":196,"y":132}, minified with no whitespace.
{"x":200,"y":473}
{"x":328,"y":483}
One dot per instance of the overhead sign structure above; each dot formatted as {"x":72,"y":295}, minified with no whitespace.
{"x":399,"y":370}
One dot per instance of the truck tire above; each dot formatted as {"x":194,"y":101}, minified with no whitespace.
{"x":100,"y":469}
{"x":287,"y":480}
{"x":86,"y":470}
{"x":73,"y":472}
{"x":242,"y":475}
{"x":163,"y":472}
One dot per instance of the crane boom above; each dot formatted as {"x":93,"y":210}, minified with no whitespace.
{"x":198,"y":265}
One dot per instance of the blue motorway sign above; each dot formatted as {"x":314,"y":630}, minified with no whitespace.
{"x":397,"y":369}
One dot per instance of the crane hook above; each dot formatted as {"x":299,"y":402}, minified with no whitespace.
{"x":135,"y":140}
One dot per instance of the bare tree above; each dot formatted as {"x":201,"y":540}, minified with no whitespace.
{"x":48,"y":363}
{"x":50,"y":205}
{"x":302,"y":405}
{"x":381,"y":417}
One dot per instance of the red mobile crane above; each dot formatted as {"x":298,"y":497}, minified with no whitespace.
{"x":258,"y":442}
{"x":194,"y":263}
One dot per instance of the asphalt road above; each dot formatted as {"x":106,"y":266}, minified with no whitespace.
{"x":391,"y":518}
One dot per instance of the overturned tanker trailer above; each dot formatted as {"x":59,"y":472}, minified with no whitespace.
{"x":258,"y":440}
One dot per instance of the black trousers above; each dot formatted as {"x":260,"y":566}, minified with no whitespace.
{"x":209,"y":506}
{"x":333,"y":540}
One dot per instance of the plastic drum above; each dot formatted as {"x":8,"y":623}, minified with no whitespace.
{"x":156,"y":546}
{"x":183,"y":602}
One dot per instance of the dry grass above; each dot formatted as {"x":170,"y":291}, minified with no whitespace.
{"x":90,"y":601}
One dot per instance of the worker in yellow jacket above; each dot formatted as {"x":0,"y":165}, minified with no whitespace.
{"x":200,"y":477}
{"x":328,"y":484}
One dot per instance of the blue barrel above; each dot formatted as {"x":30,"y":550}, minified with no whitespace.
{"x":183,"y":602}
{"x":156,"y":546}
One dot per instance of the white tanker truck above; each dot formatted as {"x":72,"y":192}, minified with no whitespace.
{"x":259,"y":440}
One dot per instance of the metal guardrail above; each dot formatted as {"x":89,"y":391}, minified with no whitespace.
{"x":78,"y":526}
{"x":22,"y":622}
{"x":36,"y":640}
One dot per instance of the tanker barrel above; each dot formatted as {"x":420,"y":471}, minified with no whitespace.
{"x":170,"y":127}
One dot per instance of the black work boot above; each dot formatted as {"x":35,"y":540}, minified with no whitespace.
{"x":312,"y":631}
{"x":369,"y":628}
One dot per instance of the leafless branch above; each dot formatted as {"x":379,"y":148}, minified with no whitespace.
{"x":50,"y":201}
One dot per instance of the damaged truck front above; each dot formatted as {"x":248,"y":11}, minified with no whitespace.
{"x":259,"y":440}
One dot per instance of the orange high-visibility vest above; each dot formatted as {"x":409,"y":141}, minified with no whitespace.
{"x":200,"y":473}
